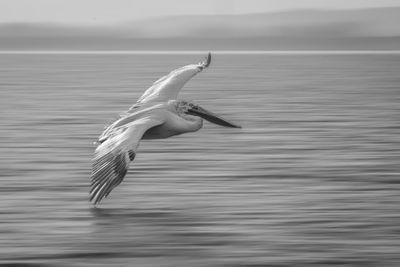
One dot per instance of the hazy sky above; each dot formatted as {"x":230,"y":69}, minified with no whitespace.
{"x":115,"y":11}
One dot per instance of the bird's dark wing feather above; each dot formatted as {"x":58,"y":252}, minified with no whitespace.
{"x":112,"y":157}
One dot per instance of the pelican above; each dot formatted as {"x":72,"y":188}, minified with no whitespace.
{"x":157,"y":114}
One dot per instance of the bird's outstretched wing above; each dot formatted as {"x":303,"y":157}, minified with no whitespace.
{"x":168,"y":87}
{"x":112,"y":157}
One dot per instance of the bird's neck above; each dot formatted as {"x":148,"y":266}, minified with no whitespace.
{"x":193,"y":123}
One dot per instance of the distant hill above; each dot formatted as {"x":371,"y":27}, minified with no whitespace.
{"x":375,"y":28}
{"x":327,"y":23}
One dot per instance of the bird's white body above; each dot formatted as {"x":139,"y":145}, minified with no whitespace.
{"x":174,"y":124}
{"x":157,"y":114}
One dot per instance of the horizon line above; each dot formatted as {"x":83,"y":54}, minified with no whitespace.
{"x":191,"y":52}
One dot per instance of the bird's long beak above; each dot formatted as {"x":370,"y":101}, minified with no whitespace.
{"x":211,"y":117}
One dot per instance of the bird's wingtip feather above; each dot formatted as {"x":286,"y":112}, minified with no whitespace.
{"x":208,"y":60}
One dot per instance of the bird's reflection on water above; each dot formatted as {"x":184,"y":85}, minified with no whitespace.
{"x":169,"y":229}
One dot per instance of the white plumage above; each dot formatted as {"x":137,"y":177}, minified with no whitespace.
{"x":157,"y":114}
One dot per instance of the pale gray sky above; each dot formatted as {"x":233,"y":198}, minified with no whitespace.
{"x":116,"y":11}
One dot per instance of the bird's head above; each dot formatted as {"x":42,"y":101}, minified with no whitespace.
{"x":189,"y":108}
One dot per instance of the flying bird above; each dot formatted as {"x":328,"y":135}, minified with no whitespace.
{"x":157,"y":114}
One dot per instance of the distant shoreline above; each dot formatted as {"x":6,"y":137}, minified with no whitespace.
{"x":191,"y":52}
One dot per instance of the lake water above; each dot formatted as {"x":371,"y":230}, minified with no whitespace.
{"x":312,"y":178}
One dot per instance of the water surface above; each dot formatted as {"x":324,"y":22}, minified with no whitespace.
{"x":312,"y":178}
